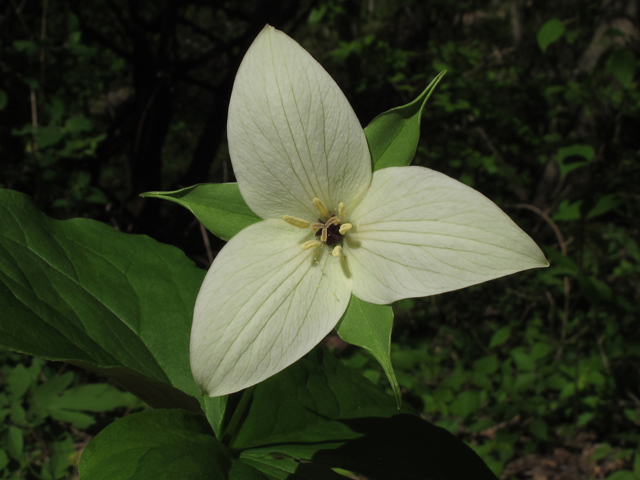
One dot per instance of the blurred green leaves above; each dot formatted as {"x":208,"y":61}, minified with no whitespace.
{"x":549,"y":33}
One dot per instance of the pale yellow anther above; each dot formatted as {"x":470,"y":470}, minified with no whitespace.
{"x":324,"y":235}
{"x":344,"y":228}
{"x":332,"y":221}
{"x":341,"y":213}
{"x":296,"y":222}
{"x":322,"y":210}
{"x":311,"y":244}
{"x":336,"y":251}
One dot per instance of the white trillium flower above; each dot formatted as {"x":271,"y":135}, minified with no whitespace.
{"x":330,"y":227}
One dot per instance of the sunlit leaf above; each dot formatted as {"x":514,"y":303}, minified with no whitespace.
{"x":80,"y":291}
{"x":393,"y":135}
{"x":157,"y":444}
{"x":219,"y":206}
{"x":369,"y":326}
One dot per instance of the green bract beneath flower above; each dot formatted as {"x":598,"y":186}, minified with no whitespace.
{"x":331,"y":228}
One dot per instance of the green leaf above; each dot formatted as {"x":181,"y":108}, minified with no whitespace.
{"x":605,"y":204}
{"x":574,"y":156}
{"x":95,"y":397}
{"x":466,"y":403}
{"x":568,"y":211}
{"x":539,"y":429}
{"x":3,"y":99}
{"x":501,"y":336}
{"x":48,"y":136}
{"x":157,"y":444}
{"x":15,"y":442}
{"x":117,"y":304}
{"x":320,"y":412}
{"x":78,"y":419}
{"x":622,"y":65}
{"x":550,"y":32}
{"x":4,"y":459}
{"x":219,"y":206}
{"x":215,"y":409}
{"x":27,"y":46}
{"x":369,"y":326}
{"x":20,"y":378}
{"x":79,"y":123}
{"x":486,"y":365}
{"x":284,"y":467}
{"x":62,"y":453}
{"x":393,"y":135}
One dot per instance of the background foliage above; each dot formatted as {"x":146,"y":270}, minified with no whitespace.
{"x":539,"y":110}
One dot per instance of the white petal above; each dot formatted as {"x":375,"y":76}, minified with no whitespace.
{"x":292,"y":134}
{"x":263,"y":304}
{"x":418,"y":232}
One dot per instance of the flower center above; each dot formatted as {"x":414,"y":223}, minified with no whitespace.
{"x":330,"y":228}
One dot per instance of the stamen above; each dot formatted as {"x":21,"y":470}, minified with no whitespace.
{"x":325,"y":234}
{"x":341,"y":213}
{"x":344,"y":228}
{"x":336,"y":251}
{"x":322,"y":210}
{"x":296,"y":222}
{"x":317,"y":226}
{"x":332,"y":221}
{"x":311,"y":244}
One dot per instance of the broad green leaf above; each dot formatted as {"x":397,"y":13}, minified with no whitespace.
{"x":622,"y":65}
{"x":14,"y":442}
{"x":369,"y":326}
{"x":486,"y":365}
{"x":551,"y":31}
{"x":48,"y":136}
{"x":78,"y":123}
{"x":80,"y":291}
{"x":219,"y":206}
{"x":574,"y":156}
{"x":4,"y":459}
{"x":320,"y":412}
{"x":393,"y":135}
{"x":500,"y":337}
{"x":157,"y":444}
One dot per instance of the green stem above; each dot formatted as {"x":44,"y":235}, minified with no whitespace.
{"x":245,"y":400}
